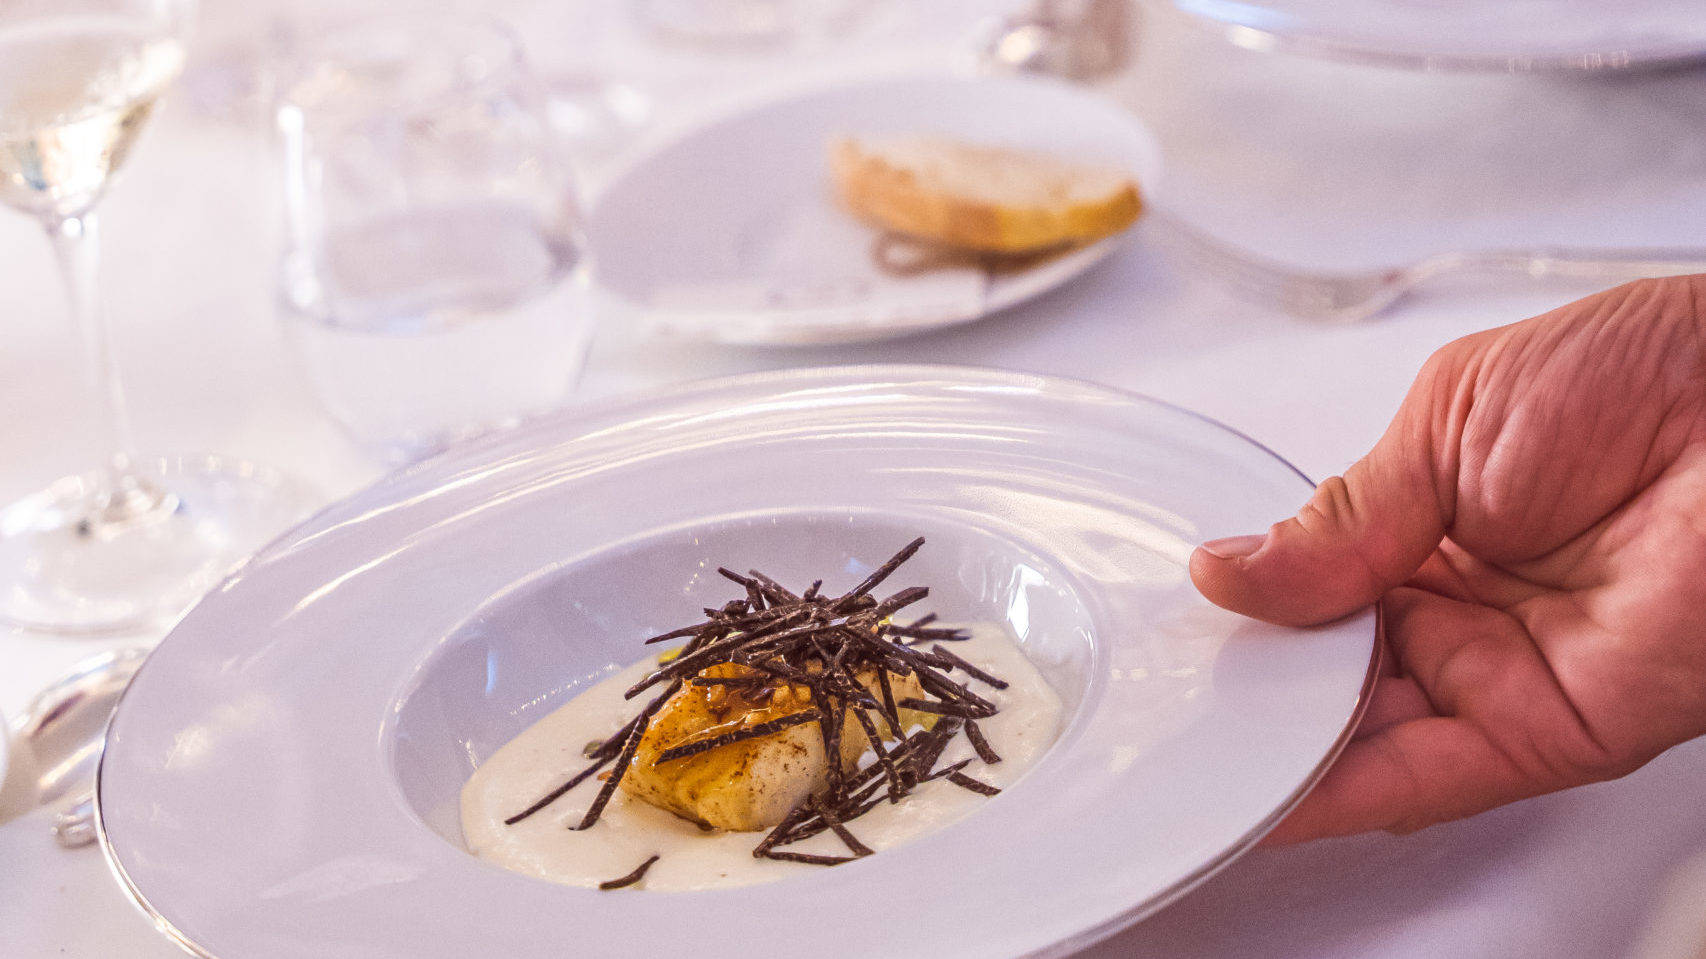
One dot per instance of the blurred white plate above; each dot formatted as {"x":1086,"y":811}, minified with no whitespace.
{"x":1469,"y":34}
{"x":731,"y":233}
{"x":281,"y":779}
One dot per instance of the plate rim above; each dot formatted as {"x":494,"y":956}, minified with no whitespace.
{"x":692,"y":326}
{"x":779,"y":379}
{"x":1327,"y":46}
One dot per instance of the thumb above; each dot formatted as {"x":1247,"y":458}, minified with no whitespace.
{"x":1359,"y":535}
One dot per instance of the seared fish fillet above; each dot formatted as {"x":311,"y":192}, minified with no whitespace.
{"x":751,"y":784}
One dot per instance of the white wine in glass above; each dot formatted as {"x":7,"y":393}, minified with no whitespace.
{"x":74,"y":93}
{"x":134,"y":542}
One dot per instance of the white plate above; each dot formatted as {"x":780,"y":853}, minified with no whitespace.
{"x":281,"y":779}
{"x":731,"y":233}
{"x":1469,"y":34}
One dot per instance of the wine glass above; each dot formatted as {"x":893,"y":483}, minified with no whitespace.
{"x":137,"y":540}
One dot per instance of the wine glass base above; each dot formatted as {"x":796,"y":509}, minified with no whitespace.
{"x":62,"y":572}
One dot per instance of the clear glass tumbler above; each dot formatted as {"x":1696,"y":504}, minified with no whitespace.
{"x":431,"y":279}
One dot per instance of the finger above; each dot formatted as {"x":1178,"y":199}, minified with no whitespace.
{"x":1440,"y":576}
{"x":1480,"y":664}
{"x":1396,"y":699}
{"x":1360,"y":534}
{"x":1475,"y":720}
{"x":1404,"y":777}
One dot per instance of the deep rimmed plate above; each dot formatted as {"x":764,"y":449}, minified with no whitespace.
{"x":730,"y":232}
{"x":280,"y":779}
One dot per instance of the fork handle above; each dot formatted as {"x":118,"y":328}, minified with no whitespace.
{"x":1578,"y":262}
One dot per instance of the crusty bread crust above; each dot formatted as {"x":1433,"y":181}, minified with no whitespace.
{"x":892,"y":196}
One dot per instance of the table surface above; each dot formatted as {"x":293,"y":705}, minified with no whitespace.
{"x":1319,"y":163}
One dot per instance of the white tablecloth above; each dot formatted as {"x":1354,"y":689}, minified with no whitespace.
{"x":1319,"y":163}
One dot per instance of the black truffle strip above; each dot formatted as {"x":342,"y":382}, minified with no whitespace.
{"x":771,"y":641}
{"x":686,"y":663}
{"x":890,"y":713}
{"x":754,"y":597}
{"x":896,"y":787}
{"x":556,"y":794}
{"x":859,"y":799}
{"x":880,"y":573}
{"x":860,"y":793}
{"x":829,"y":726}
{"x":638,"y":874}
{"x":905,"y":657}
{"x":677,"y":633}
{"x":852,"y":842}
{"x":961,"y":779}
{"x":624,"y":758}
{"x":728,"y":681}
{"x":942,"y":709}
{"x":739,"y":735}
{"x":605,"y":752}
{"x":730,"y":574}
{"x":766,"y":620}
{"x":950,"y":690}
{"x":871,"y":777}
{"x":608,"y":789}
{"x":610,"y":747}
{"x":946,"y":771}
{"x":897,"y":657}
{"x":775,"y":668}
{"x":831,"y":660}
{"x":807,"y":857}
{"x":899,"y":601}
{"x":773,"y":591}
{"x":931,"y":749}
{"x":984,"y":751}
{"x":947,"y":633}
{"x":782,"y":829}
{"x":968,"y":668}
{"x":729,"y":610}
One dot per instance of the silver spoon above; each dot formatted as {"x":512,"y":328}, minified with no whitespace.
{"x":59,"y":738}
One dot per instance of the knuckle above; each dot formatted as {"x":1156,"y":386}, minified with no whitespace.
{"x":1448,"y":363}
{"x":1662,"y":288}
{"x":1331,"y":507}
{"x":1579,"y":759}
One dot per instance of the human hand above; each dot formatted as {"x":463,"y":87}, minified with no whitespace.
{"x":1534,"y":521}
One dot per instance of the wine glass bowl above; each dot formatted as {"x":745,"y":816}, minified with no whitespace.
{"x":77,"y":83}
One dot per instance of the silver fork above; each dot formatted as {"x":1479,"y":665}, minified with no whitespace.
{"x":1346,"y":297}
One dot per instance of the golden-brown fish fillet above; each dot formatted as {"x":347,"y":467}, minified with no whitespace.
{"x":751,"y":784}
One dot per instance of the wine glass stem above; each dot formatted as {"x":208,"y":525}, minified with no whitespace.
{"x":124,"y":497}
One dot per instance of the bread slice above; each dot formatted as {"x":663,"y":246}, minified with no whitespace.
{"x":982,"y":198}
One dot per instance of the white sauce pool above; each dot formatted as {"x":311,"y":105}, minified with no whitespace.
{"x":549,"y":751}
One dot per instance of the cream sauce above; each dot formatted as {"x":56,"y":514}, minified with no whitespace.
{"x":549,"y":751}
